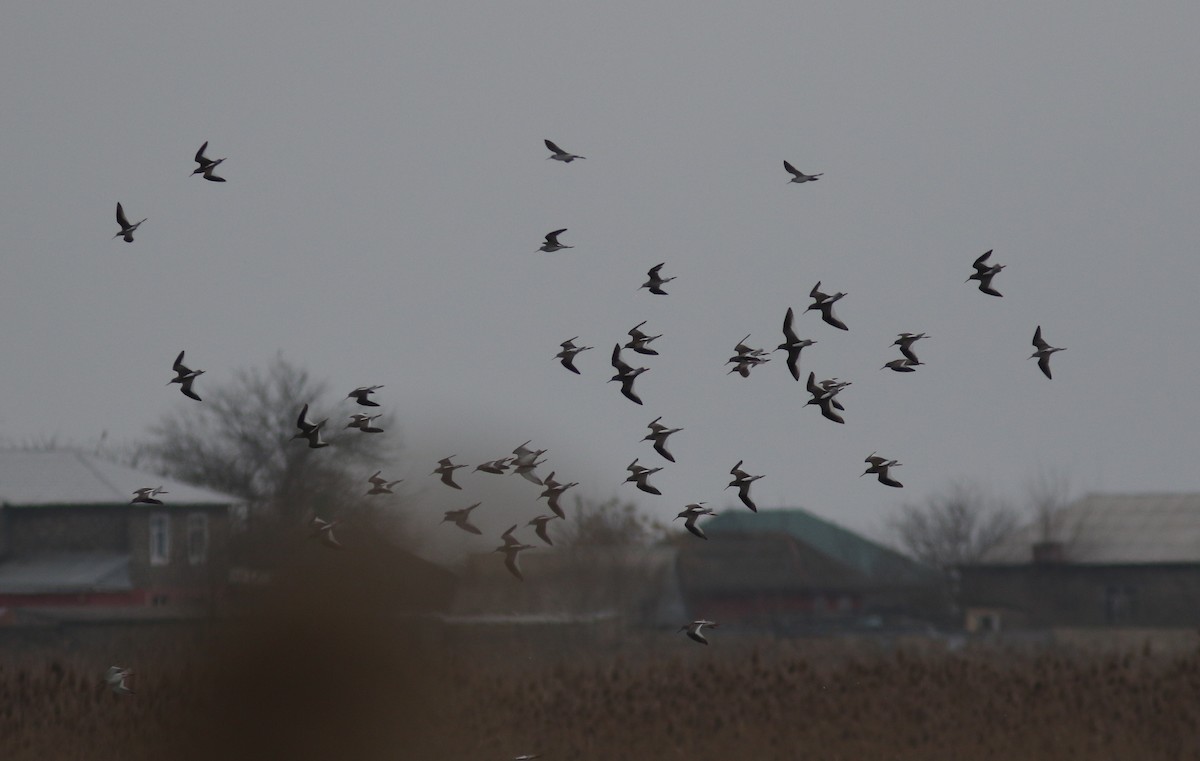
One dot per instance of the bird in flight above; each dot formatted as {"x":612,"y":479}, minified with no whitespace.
{"x":690,"y":514}
{"x":823,"y":396}
{"x":879,"y":466}
{"x":905,"y":341}
{"x":901,"y":365}
{"x":693,"y":630}
{"x":323,"y":530}
{"x":1044,"y":350}
{"x":551,"y":245}
{"x":656,"y":281}
{"x":146,"y":496}
{"x":495,"y":467}
{"x":639,"y":474}
{"x":126,"y":228}
{"x":639,"y":341}
{"x":984,"y":273}
{"x":310,"y":430}
{"x":363,"y":423}
{"x":511,"y":549}
{"x":567,"y":355}
{"x":446,"y":469}
{"x":798,"y":176}
{"x":560,"y":155}
{"x":381,"y":485}
{"x":361,"y":393}
{"x":207,"y":165}
{"x":742,"y":480}
{"x":626,"y":375}
{"x":185,"y":376}
{"x":462,"y":519}
{"x":659,"y":434}
{"x":539,"y":524}
{"x":552,"y":491}
{"x":117,"y":679}
{"x":824,"y":303}
{"x":792,"y":344}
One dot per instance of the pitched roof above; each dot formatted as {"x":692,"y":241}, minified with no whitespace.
{"x":68,"y":477}
{"x":871,"y":560}
{"x":1113,"y":529}
{"x":63,"y":572}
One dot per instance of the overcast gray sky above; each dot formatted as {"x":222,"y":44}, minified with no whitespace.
{"x":387,"y":189}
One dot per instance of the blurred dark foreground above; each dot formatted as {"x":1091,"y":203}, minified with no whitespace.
{"x":319,"y":669}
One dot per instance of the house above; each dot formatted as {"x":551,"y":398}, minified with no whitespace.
{"x":1107,"y":560}
{"x":790,"y":572}
{"x":73,"y":546}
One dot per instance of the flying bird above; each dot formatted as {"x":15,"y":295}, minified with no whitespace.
{"x":905,"y":341}
{"x":310,"y":430}
{"x":552,"y":243}
{"x":560,"y":154}
{"x":690,"y":514}
{"x":126,"y":228}
{"x":1044,"y":350}
{"x":639,"y":341}
{"x":823,"y":397}
{"x":552,"y":491}
{"x":117,"y":679}
{"x":792,"y":344}
{"x":638,"y":474}
{"x":693,"y":630}
{"x":446,"y":469}
{"x":659,"y":434}
{"x":539,"y":524}
{"x":207,"y":165}
{"x":185,"y":376}
{"x":381,"y":485}
{"x":361,"y":393}
{"x":146,"y":496}
{"x":495,"y":467}
{"x":798,"y":176}
{"x":742,"y":480}
{"x":567,"y":355}
{"x":462,"y":519}
{"x":323,"y":530}
{"x":626,"y":375}
{"x":901,"y":365}
{"x":363,"y":422}
{"x":880,"y":466}
{"x":511,"y":549}
{"x":824,"y":303}
{"x":746,"y":358}
{"x":656,"y":281}
{"x":984,"y":273}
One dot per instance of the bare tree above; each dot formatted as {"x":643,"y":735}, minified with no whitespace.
{"x":609,"y":524}
{"x":239,"y":440}
{"x":953,"y":528}
{"x":1047,"y":491}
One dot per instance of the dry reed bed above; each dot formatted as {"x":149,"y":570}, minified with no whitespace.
{"x":335,"y":687}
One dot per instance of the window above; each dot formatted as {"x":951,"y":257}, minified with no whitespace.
{"x":160,"y":539}
{"x":197,"y":538}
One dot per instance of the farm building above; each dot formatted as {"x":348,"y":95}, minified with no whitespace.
{"x":1107,"y":560}
{"x":72,"y":546}
{"x":790,"y":572}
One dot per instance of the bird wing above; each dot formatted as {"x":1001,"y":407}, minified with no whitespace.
{"x":200,"y":159}
{"x":979,"y":263}
{"x":509,"y":539}
{"x":791,"y":169}
{"x":744,"y":495}
{"x":179,"y":367}
{"x":653,"y":271}
{"x":186,"y":387}
{"x":1044,"y":363}
{"x":829,"y":317}
{"x":1038,"y":341}
{"x":627,"y":390}
{"x":660,"y":446}
{"x":619,"y":363}
{"x":121,"y":220}
{"x":788,"y":333}
{"x":554,"y":148}
{"x":552,"y":238}
{"x":510,"y":560}
{"x":540,"y":530}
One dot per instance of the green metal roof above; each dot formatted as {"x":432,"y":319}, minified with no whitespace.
{"x":872,"y":560}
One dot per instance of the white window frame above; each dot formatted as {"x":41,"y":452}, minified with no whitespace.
{"x":160,"y":538}
{"x":197,"y":526}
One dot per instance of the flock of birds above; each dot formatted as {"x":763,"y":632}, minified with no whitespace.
{"x":524,"y":461}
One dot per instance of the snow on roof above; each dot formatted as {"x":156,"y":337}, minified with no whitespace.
{"x":68,"y":477}
{"x":1113,"y":528}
